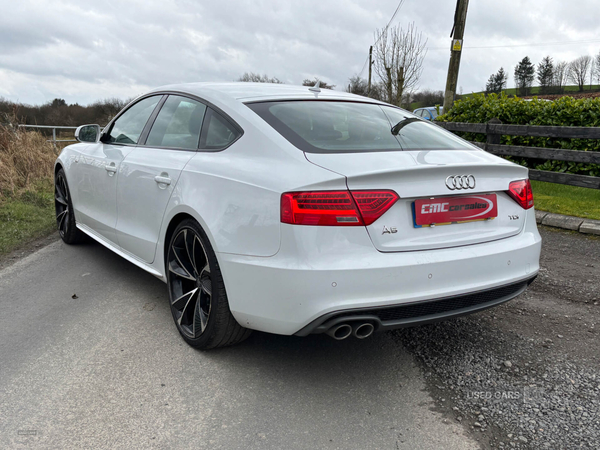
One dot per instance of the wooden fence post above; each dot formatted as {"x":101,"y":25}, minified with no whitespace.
{"x":492,"y":138}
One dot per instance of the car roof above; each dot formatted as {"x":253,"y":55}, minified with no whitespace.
{"x":251,"y":92}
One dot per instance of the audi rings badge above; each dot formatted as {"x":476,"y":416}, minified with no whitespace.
{"x":457,"y":182}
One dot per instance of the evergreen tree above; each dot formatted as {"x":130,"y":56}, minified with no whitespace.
{"x":524,"y":76}
{"x":496,"y":82}
{"x":545,"y":74}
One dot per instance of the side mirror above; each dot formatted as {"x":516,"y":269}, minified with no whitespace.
{"x":88,"y":133}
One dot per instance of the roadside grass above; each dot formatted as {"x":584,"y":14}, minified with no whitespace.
{"x":26,"y":216}
{"x":26,"y":186}
{"x":569,"y":200}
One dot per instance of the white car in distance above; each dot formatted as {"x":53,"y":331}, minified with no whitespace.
{"x":295,"y":210}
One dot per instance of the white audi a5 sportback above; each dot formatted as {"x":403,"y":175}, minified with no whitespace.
{"x":296,"y":210}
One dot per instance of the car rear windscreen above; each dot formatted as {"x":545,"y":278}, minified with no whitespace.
{"x":319,"y":126}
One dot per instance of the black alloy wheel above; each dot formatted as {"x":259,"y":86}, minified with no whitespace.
{"x":65,"y":220}
{"x":197,"y":292}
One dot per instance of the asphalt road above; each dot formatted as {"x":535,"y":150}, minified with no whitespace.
{"x":90,"y":358}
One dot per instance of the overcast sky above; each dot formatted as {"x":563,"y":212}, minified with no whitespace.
{"x":83,"y":51}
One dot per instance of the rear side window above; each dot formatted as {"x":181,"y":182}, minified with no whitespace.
{"x":217,"y":132}
{"x":129,"y":126}
{"x":333,"y":126}
{"x":423,"y":135}
{"x":178,"y":124}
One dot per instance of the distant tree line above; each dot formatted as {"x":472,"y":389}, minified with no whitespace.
{"x":58,"y":112}
{"x":551,"y":77}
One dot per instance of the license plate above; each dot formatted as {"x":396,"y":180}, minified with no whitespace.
{"x":449,"y":210}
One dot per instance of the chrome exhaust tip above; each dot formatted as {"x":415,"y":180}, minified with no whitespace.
{"x":363,"y":330}
{"x":340,"y":332}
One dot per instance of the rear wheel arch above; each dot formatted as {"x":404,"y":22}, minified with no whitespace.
{"x":174,"y":222}
{"x":179,"y":217}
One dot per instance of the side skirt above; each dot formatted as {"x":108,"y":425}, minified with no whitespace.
{"x":87,"y":230}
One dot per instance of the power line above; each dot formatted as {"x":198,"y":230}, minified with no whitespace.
{"x":363,"y":67}
{"x":393,"y":17}
{"x":385,"y":29}
{"x":539,"y":44}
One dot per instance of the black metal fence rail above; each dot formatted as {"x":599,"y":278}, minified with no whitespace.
{"x":494,"y":130}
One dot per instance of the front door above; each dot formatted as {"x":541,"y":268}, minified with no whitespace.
{"x":98,"y":167}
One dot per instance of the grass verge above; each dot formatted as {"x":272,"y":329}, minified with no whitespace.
{"x":569,"y":200}
{"x":26,"y":216}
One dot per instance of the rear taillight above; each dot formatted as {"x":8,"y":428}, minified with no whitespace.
{"x":340,"y":208}
{"x":521,"y":193}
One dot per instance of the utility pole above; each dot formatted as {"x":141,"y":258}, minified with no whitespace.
{"x":457,"y":33}
{"x":370,"y":67}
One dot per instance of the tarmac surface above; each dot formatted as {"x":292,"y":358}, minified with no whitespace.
{"x":90,"y":358}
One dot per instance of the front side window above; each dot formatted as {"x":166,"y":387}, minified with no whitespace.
{"x":318,"y":126}
{"x":178,"y":124}
{"x":129,"y":126}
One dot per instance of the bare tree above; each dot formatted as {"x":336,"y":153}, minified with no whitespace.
{"x":578,"y":70}
{"x":258,"y":78}
{"x":597,"y":67}
{"x":398,"y":60}
{"x":559,"y":79}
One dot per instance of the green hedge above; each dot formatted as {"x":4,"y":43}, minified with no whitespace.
{"x":566,"y":111}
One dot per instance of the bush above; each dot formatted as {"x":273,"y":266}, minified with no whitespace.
{"x":565,"y":111}
{"x":26,"y":159}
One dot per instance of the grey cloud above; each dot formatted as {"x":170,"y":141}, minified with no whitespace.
{"x":88,"y":50}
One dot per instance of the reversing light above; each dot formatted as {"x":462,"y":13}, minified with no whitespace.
{"x":521,"y":192}
{"x":338,"y":208}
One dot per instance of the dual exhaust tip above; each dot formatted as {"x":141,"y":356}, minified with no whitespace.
{"x":360,"y":330}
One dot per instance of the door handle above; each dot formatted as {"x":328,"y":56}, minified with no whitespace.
{"x":162,"y":180}
{"x":112,"y":169}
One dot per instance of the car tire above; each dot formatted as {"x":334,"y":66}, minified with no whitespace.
{"x":63,"y":207}
{"x":197,"y":293}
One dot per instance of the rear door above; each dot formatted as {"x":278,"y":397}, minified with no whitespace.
{"x":149,"y":174}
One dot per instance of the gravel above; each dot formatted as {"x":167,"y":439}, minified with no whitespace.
{"x":525,"y":375}
{"x":544,"y":403}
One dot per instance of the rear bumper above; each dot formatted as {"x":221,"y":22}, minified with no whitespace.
{"x":320,"y":271}
{"x":419,"y":313}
